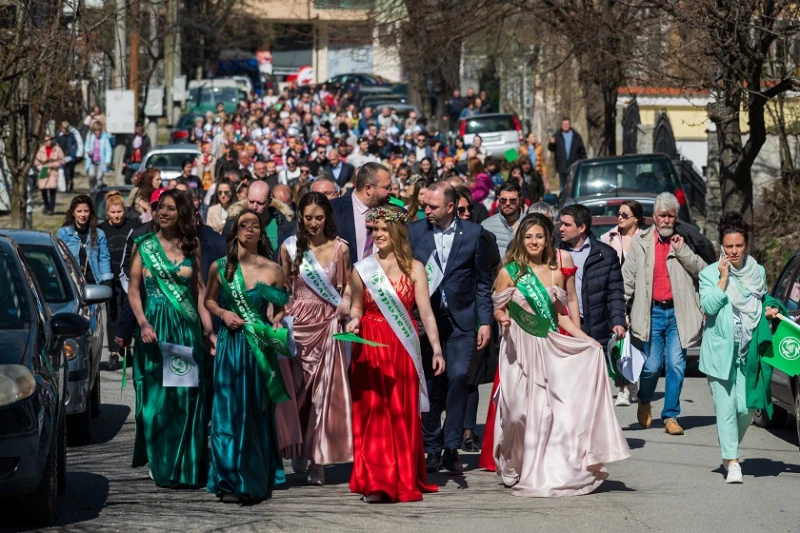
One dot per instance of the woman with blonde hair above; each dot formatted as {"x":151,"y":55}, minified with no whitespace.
{"x":387,"y":381}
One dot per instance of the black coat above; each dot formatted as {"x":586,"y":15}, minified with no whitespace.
{"x":697,"y":242}
{"x":602,"y":292}
{"x":564,"y":160}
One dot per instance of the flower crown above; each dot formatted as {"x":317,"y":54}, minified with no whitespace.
{"x":386,"y":214}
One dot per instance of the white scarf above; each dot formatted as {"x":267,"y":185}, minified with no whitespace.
{"x":746,"y":288}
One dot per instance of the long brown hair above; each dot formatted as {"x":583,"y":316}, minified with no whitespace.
{"x":517,"y":253}
{"x":187,"y":221}
{"x":398,"y":234}
{"x":263,"y":248}
{"x":329,"y":230}
{"x":69,"y":219}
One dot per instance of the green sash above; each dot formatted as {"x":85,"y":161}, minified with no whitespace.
{"x":255,"y":331}
{"x":535,"y":293}
{"x":178,"y":294}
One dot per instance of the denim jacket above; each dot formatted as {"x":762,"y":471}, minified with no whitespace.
{"x":99,"y":258}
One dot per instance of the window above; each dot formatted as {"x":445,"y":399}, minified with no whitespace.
{"x":49,"y":274}
{"x":168,"y":160}
{"x":490,"y":124}
{"x":13,"y":306}
{"x":655,"y":176}
{"x":781,"y":288}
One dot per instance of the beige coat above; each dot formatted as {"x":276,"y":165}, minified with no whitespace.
{"x":683,"y":266}
{"x":53,"y":163}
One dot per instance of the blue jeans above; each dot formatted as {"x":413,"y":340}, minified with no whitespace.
{"x":664,"y":347}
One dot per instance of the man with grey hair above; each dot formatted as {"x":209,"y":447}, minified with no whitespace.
{"x":327,"y":186}
{"x":661,"y":280}
{"x":372,"y":189}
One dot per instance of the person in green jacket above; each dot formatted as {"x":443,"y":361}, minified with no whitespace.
{"x":733,"y":296}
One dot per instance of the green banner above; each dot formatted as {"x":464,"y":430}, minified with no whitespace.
{"x":528,"y":322}
{"x":352,"y":337}
{"x":785,"y":354}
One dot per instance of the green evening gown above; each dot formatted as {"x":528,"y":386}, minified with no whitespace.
{"x":245,"y":456}
{"x":170,"y":421}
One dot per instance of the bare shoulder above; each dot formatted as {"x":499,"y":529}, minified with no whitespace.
{"x":566,"y":259}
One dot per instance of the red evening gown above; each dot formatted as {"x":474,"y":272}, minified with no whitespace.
{"x":487,"y":448}
{"x":388,"y":454}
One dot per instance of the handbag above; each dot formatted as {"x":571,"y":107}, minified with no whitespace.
{"x":62,"y":181}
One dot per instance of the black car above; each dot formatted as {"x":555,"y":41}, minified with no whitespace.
{"x":33,"y":390}
{"x":785,"y":389}
{"x":180,"y":133}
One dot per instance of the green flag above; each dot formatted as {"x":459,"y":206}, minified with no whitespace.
{"x":511,"y":155}
{"x":785,"y":353}
{"x":352,"y":337}
{"x":530,"y":323}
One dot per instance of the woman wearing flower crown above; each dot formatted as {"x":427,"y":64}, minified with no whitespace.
{"x":388,"y":382}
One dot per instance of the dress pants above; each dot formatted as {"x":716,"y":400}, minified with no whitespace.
{"x":449,"y":391}
{"x":730,"y":403}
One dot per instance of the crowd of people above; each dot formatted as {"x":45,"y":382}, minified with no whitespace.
{"x":336,"y":283}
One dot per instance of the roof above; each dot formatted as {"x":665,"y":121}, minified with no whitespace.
{"x":618,"y":197}
{"x":661,"y":91}
{"x":29,"y":236}
{"x":628,"y":157}
{"x":179,"y":147}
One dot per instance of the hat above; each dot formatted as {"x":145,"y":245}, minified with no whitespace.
{"x":156,"y":196}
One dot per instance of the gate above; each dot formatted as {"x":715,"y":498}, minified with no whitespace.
{"x":630,"y":128}
{"x":663,"y":138}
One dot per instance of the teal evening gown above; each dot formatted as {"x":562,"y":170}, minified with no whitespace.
{"x":170,"y":432}
{"x":245,"y":456}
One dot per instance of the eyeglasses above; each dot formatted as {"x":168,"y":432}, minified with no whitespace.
{"x":624,"y":216}
{"x":302,"y":171}
{"x":464,"y":209}
{"x":224,"y":193}
{"x":510,"y":201}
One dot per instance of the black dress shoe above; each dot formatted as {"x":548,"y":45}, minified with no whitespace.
{"x":452,"y":462}
{"x":470,"y":444}
{"x":434,"y":462}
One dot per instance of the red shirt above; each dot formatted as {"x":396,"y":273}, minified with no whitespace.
{"x":662,"y":288}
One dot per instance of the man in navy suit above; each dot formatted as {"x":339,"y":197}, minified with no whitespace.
{"x":463,"y":257}
{"x":341,"y":172}
{"x":372,"y":189}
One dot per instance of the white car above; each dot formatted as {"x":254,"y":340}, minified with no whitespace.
{"x":168,"y":159}
{"x":499,"y":132}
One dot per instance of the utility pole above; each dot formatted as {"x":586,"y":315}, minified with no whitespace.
{"x":133,"y":68}
{"x":170,"y":52}
{"x":119,"y":46}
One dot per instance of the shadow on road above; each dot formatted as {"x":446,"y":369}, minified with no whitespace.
{"x":786,"y":433}
{"x":635,"y":444}
{"x":613,"y":486}
{"x":106,"y":426}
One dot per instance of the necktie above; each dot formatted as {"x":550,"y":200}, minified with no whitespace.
{"x":368,"y":244}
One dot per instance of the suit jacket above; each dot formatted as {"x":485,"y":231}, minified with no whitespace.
{"x":345,"y":176}
{"x":345,"y":224}
{"x":468,"y":272}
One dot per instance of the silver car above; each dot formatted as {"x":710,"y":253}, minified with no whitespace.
{"x":65,"y":291}
{"x":499,"y":132}
{"x":168,"y":159}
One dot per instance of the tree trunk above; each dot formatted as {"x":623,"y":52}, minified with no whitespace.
{"x":735,"y":178}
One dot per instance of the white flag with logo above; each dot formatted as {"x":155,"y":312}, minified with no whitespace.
{"x":180,"y":368}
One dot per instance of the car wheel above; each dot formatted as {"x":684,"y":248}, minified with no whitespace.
{"x":41,"y":507}
{"x":62,"y":459}
{"x":80,"y":425}
{"x":762,"y":420}
{"x":95,"y":398}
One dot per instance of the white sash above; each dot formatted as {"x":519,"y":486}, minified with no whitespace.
{"x":313,"y":273}
{"x":396,"y":316}
{"x":434,"y":274}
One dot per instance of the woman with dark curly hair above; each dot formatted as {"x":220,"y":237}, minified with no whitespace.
{"x":317,"y":269}
{"x":733,"y":296}
{"x":170,"y":420}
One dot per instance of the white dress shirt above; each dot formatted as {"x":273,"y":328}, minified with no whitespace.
{"x":359,"y":210}
{"x":443,"y":239}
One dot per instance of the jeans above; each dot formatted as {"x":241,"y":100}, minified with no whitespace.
{"x":663,"y":349}
{"x":95,"y":174}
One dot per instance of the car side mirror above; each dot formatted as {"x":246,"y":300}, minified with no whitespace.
{"x":69,"y":325}
{"x":96,"y":294}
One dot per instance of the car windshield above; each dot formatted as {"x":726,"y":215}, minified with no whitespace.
{"x":490,"y":124}
{"x":168,"y":160}
{"x":212,"y":95}
{"x":13,"y":308}
{"x":187,"y":121}
{"x":611,"y":208}
{"x":601,"y":177}
{"x":47,"y":269}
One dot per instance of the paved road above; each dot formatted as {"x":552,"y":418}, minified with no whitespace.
{"x":670,"y":484}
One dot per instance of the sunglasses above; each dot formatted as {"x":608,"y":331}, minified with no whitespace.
{"x":224,"y":193}
{"x":464,"y":209}
{"x":624,"y":216}
{"x":304,"y":171}
{"x":510,"y":201}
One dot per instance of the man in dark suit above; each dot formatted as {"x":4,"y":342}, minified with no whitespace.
{"x":372,"y":189}
{"x":341,"y":172}
{"x":461,"y":253}
{"x":568,"y":147}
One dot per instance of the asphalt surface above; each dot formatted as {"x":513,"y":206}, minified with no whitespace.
{"x":670,"y":484}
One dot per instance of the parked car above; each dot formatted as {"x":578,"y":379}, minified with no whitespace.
{"x":100,"y":198}
{"x":383,"y":99}
{"x":65,"y":291}
{"x":499,"y":132}
{"x":33,"y":391}
{"x":206,"y":97}
{"x":604,"y":209}
{"x":401,"y":110}
{"x":364,"y":80}
{"x":180,"y":133}
{"x":168,"y":159}
{"x":785,"y":389}
{"x":627,"y":175}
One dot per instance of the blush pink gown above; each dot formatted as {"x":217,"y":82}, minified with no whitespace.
{"x":555,"y":425}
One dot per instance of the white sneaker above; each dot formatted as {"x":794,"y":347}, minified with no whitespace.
{"x":734,"y":473}
{"x":299,"y":465}
{"x":509,"y":481}
{"x":623,"y":398}
{"x":316,"y":475}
